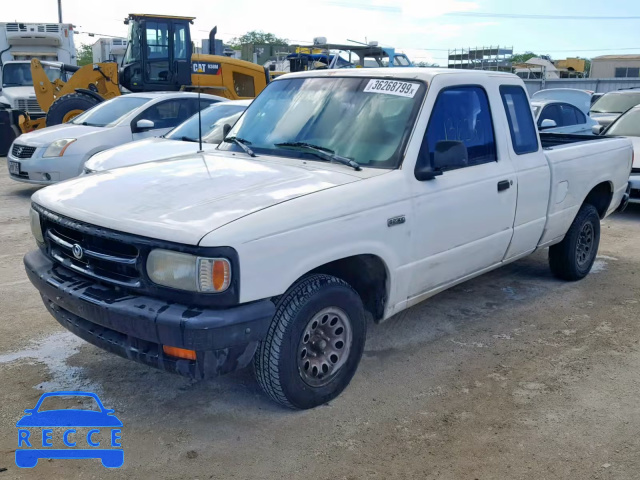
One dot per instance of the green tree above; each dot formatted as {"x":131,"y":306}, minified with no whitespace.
{"x":257,"y":37}
{"x":522,"y":57}
{"x":426,"y":64}
{"x":85,"y":55}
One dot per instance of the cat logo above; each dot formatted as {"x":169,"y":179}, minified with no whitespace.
{"x":206,"y":68}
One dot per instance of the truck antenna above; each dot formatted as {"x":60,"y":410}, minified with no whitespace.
{"x":199,"y":120}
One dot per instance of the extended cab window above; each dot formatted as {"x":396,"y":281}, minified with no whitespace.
{"x":521,"y":126}
{"x":462,"y":114}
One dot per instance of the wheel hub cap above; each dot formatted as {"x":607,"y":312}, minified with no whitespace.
{"x":324,"y":346}
{"x":584,"y":251}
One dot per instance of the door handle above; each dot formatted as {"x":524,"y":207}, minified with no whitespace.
{"x":503,"y":185}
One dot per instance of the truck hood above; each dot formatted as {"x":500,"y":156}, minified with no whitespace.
{"x":12,"y":93}
{"x":604,"y":119}
{"x":183,"y":199}
{"x":142,"y":151}
{"x":44,"y":137}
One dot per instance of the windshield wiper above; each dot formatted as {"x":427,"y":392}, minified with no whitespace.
{"x":322,"y":152}
{"x":242,"y":143}
{"x":188,"y":139}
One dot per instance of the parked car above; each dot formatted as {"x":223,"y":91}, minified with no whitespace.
{"x":333,"y":199}
{"x":563,"y":110}
{"x":57,"y":153}
{"x":595,"y":97}
{"x":580,"y":99}
{"x":614,"y":104}
{"x":628,"y":125}
{"x":178,"y":141}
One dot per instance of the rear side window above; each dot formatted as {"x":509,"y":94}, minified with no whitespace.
{"x":521,"y":126}
{"x":462,"y":114}
{"x":569,"y":115}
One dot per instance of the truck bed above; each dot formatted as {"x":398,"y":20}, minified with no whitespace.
{"x":578,"y":163}
{"x":550,"y":140}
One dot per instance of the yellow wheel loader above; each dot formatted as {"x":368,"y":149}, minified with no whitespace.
{"x":159,"y":57}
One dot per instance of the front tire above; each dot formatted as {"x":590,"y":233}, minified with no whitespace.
{"x":573,"y":258}
{"x":314,"y":344}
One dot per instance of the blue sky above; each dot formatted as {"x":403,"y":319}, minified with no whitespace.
{"x":425,"y":29}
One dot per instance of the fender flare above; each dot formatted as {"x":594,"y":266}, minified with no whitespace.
{"x":91,"y":93}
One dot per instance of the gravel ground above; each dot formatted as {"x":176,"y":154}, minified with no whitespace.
{"x":513,"y":375}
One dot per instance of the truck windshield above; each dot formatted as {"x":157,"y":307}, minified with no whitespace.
{"x":616,"y":103}
{"x":628,"y":125}
{"x":214,"y":119}
{"x":364,"y":119}
{"x":19,"y":74}
{"x":110,"y":112}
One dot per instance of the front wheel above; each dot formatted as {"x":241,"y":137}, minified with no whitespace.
{"x":314,"y":344}
{"x":573,"y":258}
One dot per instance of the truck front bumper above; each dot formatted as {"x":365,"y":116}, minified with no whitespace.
{"x":137,"y":327}
{"x":634,"y":183}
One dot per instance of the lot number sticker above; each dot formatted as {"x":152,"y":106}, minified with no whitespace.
{"x":392,"y":87}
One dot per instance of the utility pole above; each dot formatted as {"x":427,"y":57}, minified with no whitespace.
{"x":59,"y":11}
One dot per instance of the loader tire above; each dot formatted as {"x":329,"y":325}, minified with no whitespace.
{"x":65,"y":108}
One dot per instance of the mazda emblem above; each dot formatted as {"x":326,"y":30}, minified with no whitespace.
{"x":77,"y":251}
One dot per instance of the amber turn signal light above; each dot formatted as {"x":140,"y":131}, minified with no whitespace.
{"x":179,"y":352}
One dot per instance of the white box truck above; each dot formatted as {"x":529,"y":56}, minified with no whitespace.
{"x":51,"y":43}
{"x":109,"y":50}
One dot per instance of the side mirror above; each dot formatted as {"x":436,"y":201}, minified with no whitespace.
{"x":144,"y":125}
{"x":225,"y":130}
{"x":597,"y":129}
{"x":548,"y":123}
{"x":450,"y":155}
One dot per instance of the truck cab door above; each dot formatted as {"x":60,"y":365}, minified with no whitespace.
{"x":532,"y":170}
{"x":463,"y":216}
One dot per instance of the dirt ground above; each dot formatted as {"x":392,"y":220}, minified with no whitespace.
{"x":514,"y":375}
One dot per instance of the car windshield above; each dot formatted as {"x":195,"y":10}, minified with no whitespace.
{"x":628,"y":125}
{"x":214,"y":119}
{"x":110,"y":112}
{"x":616,"y":103}
{"x":19,"y":74}
{"x":364,"y":119}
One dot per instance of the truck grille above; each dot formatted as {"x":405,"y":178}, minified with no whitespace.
{"x":89,"y":252}
{"x":22,"y":151}
{"x":29,"y":104}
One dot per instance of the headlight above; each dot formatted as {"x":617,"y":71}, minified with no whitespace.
{"x":57,"y":148}
{"x":36,"y":228}
{"x":188,"y":272}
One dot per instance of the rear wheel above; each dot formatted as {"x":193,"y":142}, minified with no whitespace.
{"x":66,"y":107}
{"x":314,"y":343}
{"x":573,"y":258}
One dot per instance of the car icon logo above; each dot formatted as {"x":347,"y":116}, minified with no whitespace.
{"x":85,"y":434}
{"x":77,"y":251}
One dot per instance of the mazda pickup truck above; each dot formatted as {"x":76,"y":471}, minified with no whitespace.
{"x":339,"y":196}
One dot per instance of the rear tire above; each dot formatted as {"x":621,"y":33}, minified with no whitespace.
{"x":573,"y":258}
{"x":314,"y":344}
{"x":62,"y":109}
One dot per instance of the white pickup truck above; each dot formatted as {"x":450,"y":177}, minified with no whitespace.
{"x":339,"y":195}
